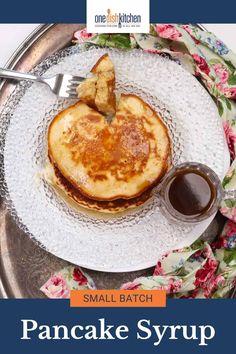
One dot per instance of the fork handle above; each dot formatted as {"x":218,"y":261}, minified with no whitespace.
{"x":11,"y":74}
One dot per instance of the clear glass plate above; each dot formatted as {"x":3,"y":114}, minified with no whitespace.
{"x":133,"y":240}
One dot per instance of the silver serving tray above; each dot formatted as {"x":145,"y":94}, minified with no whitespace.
{"x":24,"y":266}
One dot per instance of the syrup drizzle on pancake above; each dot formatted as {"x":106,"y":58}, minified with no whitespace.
{"x":107,"y":165}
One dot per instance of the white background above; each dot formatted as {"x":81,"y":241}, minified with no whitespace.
{"x":11,"y":36}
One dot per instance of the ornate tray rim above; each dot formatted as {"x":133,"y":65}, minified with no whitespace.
{"x":40,"y":43}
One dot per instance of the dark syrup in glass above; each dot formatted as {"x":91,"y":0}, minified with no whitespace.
{"x":191,"y":192}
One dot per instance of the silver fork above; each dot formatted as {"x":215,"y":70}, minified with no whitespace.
{"x":63,"y":85}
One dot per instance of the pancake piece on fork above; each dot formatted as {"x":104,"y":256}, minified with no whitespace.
{"x":98,"y":91}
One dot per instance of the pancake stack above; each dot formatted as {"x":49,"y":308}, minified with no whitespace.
{"x":103,"y":165}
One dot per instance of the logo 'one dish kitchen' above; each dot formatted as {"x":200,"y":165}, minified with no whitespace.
{"x":123,"y":16}
{"x":117,"y":19}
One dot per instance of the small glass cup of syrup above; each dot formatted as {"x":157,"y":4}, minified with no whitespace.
{"x":191,"y":192}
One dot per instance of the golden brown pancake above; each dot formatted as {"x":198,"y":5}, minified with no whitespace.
{"x":67,"y":190}
{"x":107,"y":166}
{"x":110,"y":161}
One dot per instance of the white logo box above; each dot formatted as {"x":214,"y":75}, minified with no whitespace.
{"x":118,"y":16}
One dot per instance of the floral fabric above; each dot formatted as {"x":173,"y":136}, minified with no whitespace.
{"x":69,"y":278}
{"x":199,"y":271}
{"x":202,"y":270}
